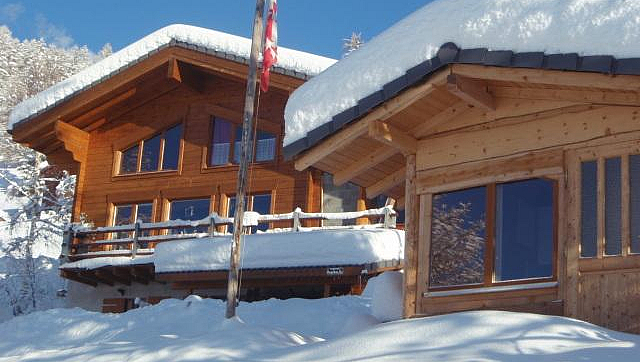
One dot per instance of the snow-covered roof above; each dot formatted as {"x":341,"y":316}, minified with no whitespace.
{"x":290,"y":62}
{"x":493,"y":32}
{"x":323,"y":247}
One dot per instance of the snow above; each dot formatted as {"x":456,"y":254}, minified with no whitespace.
{"x":95,"y":263}
{"x":205,"y":39}
{"x":586,"y":27}
{"x":303,"y":330}
{"x":385,"y":292}
{"x":286,"y":249}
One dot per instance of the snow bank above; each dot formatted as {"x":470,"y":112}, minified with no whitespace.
{"x":302,"y":330}
{"x":287,"y":249}
{"x":586,"y":27}
{"x":385,"y":292}
{"x":206,"y":40}
{"x":475,"y":336}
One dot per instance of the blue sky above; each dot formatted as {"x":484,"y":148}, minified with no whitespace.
{"x":313,"y":26}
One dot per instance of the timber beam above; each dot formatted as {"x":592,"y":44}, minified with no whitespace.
{"x":108,"y":274}
{"x":74,"y":139}
{"x":353,"y":170}
{"x":179,"y":72}
{"x":76,"y":277}
{"x":392,"y":136}
{"x":549,"y":77}
{"x":360,"y":127}
{"x":391,"y":180}
{"x":472,"y":91}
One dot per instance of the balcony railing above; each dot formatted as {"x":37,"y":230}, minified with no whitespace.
{"x":81,"y":242}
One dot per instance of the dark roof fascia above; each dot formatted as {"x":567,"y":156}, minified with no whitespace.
{"x":449,"y":53}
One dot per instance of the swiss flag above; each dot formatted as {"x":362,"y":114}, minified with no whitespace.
{"x":270,"y":53}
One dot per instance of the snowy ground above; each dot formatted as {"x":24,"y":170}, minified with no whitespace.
{"x":332,"y":329}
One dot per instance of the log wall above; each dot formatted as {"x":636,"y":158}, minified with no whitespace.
{"x":514,"y":145}
{"x":99,"y":185}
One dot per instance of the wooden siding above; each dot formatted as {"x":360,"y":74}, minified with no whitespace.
{"x":99,"y":185}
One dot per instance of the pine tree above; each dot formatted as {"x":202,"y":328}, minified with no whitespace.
{"x":352,"y":43}
{"x":44,"y":193}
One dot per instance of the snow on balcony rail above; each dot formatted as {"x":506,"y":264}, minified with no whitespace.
{"x":87,"y":245}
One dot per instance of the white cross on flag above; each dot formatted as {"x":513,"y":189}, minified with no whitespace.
{"x":270,"y":53}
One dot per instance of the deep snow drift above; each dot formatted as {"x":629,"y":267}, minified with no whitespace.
{"x":332,"y":329}
{"x":586,"y":27}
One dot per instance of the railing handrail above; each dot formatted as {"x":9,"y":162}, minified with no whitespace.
{"x":221,"y":221}
{"x":137,"y":239}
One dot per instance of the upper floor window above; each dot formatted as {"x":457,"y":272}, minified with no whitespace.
{"x":494,"y":233}
{"x":158,"y":153}
{"x":226,"y":144}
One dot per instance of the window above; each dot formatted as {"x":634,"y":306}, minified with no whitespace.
{"x":338,"y":199}
{"x":190,"y":210}
{"x":128,"y":213}
{"x":613,"y":239}
{"x":260,"y":203}
{"x":226,"y":144}
{"x":158,"y":153}
{"x":494,"y":233}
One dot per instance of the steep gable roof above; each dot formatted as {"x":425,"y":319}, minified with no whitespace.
{"x":235,"y":48}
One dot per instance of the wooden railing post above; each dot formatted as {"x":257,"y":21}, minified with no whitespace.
{"x":296,"y":219}
{"x":67,"y":240}
{"x":212,"y":225}
{"x":389,"y":218}
{"x":136,"y":235}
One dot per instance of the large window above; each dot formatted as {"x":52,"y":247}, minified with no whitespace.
{"x":226,"y":144}
{"x":126,"y":214}
{"x":338,"y":199}
{"x":190,"y":210}
{"x":158,"y":153}
{"x":494,"y":233}
{"x":260,"y":203}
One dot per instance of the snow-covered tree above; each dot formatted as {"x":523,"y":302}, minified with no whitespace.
{"x":352,"y":43}
{"x":457,"y":245}
{"x":43,"y":193}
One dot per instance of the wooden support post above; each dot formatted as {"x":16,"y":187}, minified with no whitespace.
{"x":245,"y":158}
{"x":412,"y":209}
{"x":212,"y":224}
{"x":296,"y":219}
{"x":136,"y":235}
{"x":67,"y":240}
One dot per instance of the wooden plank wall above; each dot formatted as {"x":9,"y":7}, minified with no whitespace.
{"x":515,"y":146}
{"x":99,"y":187}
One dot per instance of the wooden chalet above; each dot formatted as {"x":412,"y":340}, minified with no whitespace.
{"x":536,"y":157}
{"x":156,"y":140}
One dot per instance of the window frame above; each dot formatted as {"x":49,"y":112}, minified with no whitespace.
{"x":206,"y":164}
{"x":490,"y":242}
{"x":599,"y":154}
{"x":117,"y":172}
{"x":134,"y":213}
{"x":249,"y":205}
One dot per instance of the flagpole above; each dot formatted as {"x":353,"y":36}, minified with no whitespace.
{"x":245,"y":158}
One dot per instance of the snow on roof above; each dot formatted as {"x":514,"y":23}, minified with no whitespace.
{"x":585,"y":27}
{"x":291,"y":62}
{"x":281,"y":250}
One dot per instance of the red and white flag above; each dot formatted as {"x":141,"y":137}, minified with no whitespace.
{"x":270,"y":53}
